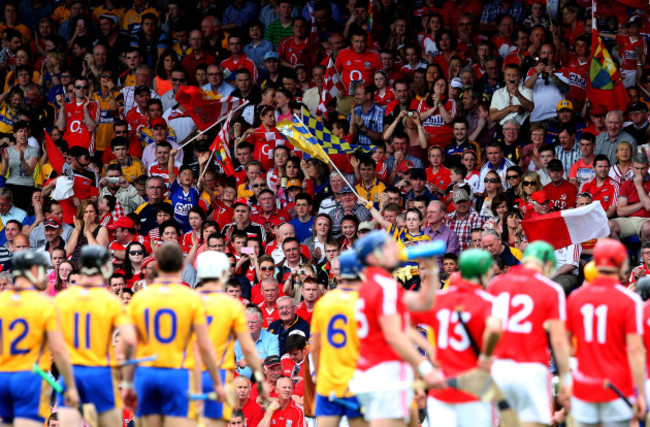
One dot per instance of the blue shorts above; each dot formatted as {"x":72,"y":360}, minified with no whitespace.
{"x":24,"y":394}
{"x":164,"y":391}
{"x":212,"y":408}
{"x":325,"y":408}
{"x":96,"y":385}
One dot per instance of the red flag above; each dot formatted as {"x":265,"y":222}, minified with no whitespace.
{"x":204,"y":109}
{"x":333,"y":85}
{"x":221,"y":148}
{"x":56,"y":157}
{"x":569,"y":226}
{"x":604,"y":84}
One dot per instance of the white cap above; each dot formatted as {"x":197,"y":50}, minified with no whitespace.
{"x":457,"y":83}
{"x":212,"y":265}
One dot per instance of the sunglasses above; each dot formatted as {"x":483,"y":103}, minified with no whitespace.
{"x":178,"y":80}
{"x":528,"y":183}
{"x":105,"y":76}
{"x":267,"y":268}
{"x":512,"y":176}
{"x":81,"y":87}
{"x":63,"y":76}
{"x":491,"y":180}
{"x":233,"y":265}
{"x":136,"y":252}
{"x":258,"y":185}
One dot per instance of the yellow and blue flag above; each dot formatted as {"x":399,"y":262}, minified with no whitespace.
{"x":331,"y":144}
{"x":300,"y":137}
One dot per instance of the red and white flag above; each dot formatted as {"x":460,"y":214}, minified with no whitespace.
{"x":569,"y":226}
{"x":203,"y":108}
{"x":333,"y":85}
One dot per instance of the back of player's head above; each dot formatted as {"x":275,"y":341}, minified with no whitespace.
{"x":170,"y":258}
{"x":369,"y":244}
{"x":95,"y":260}
{"x":541,"y":253}
{"x":211,"y":265}
{"x":23,"y":261}
{"x":349,"y":265}
{"x":474,"y":263}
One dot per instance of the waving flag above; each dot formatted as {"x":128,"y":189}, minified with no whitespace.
{"x":56,"y":158}
{"x":604,"y":84}
{"x":300,"y":137}
{"x":221,"y":148}
{"x":333,"y":85}
{"x":569,"y":226}
{"x":204,"y":108}
{"x":330,"y":143}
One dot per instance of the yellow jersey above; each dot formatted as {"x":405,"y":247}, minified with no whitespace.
{"x":25,"y":318}
{"x":371,"y":194}
{"x":133,"y":169}
{"x":225,"y":318}
{"x":132,"y":19}
{"x":333,"y":319}
{"x":90,"y":316}
{"x":164,"y":315}
{"x":104,"y":129}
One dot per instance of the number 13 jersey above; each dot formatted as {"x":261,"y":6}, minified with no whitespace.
{"x":524,"y":301}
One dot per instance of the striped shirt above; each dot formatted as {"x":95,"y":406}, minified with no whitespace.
{"x":463,"y":226}
{"x":568,"y":158}
{"x":373,"y":120}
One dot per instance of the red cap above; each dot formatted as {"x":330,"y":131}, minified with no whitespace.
{"x":52,"y":222}
{"x":609,"y":254}
{"x":158,"y":121}
{"x":240,"y":201}
{"x":277,"y":220}
{"x":598,"y":110}
{"x":148,"y":260}
{"x":405,"y":166}
{"x":123,"y":222}
{"x":539,"y":196}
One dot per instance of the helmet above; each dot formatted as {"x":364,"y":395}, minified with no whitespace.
{"x":212,"y":265}
{"x":95,"y":260}
{"x":23,"y":261}
{"x":474,"y":263}
{"x":609,"y":253}
{"x":369,"y":243}
{"x":540,"y":251}
{"x":349,"y":265}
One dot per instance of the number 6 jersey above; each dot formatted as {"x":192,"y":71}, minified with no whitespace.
{"x":524,"y":301}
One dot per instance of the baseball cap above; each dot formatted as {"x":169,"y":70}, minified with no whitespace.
{"x":148,"y":260}
{"x":345,"y":190}
{"x":539,"y":196}
{"x":122,"y":222}
{"x":634,"y":19}
{"x":405,"y":166}
{"x":457,"y":83}
{"x":140,"y":90}
{"x":366,"y":225}
{"x":294,"y":183}
{"x":278,"y":220}
{"x":52,"y":223}
{"x":240,"y":201}
{"x":565,"y":104}
{"x":158,"y":121}
{"x":271,"y":55}
{"x":636,"y":107}
{"x":598,"y":110}
{"x":110,"y":16}
{"x":272,"y":361}
{"x":555,"y":165}
{"x":460,"y":196}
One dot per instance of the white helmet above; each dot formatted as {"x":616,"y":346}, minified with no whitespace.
{"x":212,"y":265}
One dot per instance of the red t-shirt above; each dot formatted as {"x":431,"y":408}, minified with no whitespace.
{"x":355,"y":66}
{"x":525,"y":300}
{"x":268,"y":316}
{"x":562,"y":196}
{"x":291,"y":416}
{"x":600,"y":316}
{"x":646,"y":334}
{"x":628,"y":190}
{"x":244,"y":62}
{"x":453,"y":349}
{"x":578,"y":72}
{"x":76,"y":133}
{"x":442,"y":179}
{"x":302,"y":312}
{"x":607,"y":193}
{"x":252,"y":412}
{"x":379,"y":295}
{"x":290,"y":368}
{"x":264,"y":143}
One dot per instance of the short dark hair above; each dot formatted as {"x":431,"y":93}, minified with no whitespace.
{"x":303,"y":196}
{"x":170,"y":258}
{"x":120,"y":141}
{"x":601,"y":158}
{"x":295,"y":342}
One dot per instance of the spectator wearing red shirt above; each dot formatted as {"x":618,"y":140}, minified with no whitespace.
{"x":357,"y":62}
{"x":252,"y":412}
{"x":269,"y":307}
{"x":603,"y":188}
{"x":78,"y":120}
{"x":238,"y":59}
{"x":310,"y":295}
{"x":294,"y":358}
{"x":633,"y":204}
{"x":300,"y":48}
{"x":138,"y":116}
{"x":283,"y":411}
{"x":268,"y":211}
{"x":197,"y":56}
{"x":561,"y":193}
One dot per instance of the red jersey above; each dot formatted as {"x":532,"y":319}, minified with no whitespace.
{"x":578,"y":72}
{"x":627,"y":51}
{"x":386,"y":98}
{"x":525,"y":300}
{"x":156,"y":170}
{"x":606,"y":194}
{"x":268,"y":317}
{"x":290,"y":368}
{"x":453,"y":349}
{"x":264,"y":143}
{"x":379,"y":295}
{"x":253,"y":413}
{"x":230,"y":66}
{"x":646,"y":335}
{"x":442,"y":179}
{"x":355,"y":66}
{"x":136,"y":121}
{"x":76,"y":133}
{"x":628,"y":190}
{"x":291,"y":416}
{"x":259,"y":218}
{"x":599,"y":316}
{"x":562,"y":196}
{"x":305,"y":53}
{"x":222,"y":214}
{"x":302,"y":312}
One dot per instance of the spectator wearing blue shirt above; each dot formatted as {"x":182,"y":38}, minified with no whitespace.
{"x":182,"y":193}
{"x":239,"y":14}
{"x":289,"y":323}
{"x":259,"y":46}
{"x":304,"y":221}
{"x":266,"y":343}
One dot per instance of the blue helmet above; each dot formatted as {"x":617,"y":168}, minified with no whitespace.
{"x":369,"y":243}
{"x":349,"y":265}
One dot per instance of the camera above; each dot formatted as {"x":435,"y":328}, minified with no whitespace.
{"x":410,"y":114}
{"x":302,"y":271}
{"x":113,"y":180}
{"x":512,"y":81}
{"x":543,"y":61}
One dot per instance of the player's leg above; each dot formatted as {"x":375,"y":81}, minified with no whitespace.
{"x":29,"y":398}
{"x":110,"y":418}
{"x":215,"y":413}
{"x":69,"y":416}
{"x":330,"y":421}
{"x":177,"y":410}
{"x":103,"y":393}
{"x":155,"y":420}
{"x":356,"y":422}
{"x":178,"y":422}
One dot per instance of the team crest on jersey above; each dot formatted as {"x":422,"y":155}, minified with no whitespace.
{"x":348,"y":63}
{"x":289,"y":423}
{"x":69,"y":114}
{"x":366,"y":64}
{"x":442,"y":182}
{"x":605,"y":198}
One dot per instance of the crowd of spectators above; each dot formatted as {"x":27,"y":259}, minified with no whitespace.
{"x":473,"y":114}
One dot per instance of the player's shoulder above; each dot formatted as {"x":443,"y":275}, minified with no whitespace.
{"x":627,"y":294}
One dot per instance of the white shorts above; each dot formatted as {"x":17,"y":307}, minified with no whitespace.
{"x":470,"y":414}
{"x":600,"y":412}
{"x":383,"y":401}
{"x":527,"y":388}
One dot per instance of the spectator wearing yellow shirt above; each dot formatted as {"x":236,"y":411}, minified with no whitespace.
{"x":369,"y":187}
{"x":107,"y":8}
{"x":131,"y":167}
{"x":12,"y":101}
{"x":132,"y":20}
{"x":11,"y":20}
{"x":182,"y":47}
{"x":110,"y":108}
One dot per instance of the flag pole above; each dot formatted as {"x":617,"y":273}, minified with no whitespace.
{"x":212,"y":125}
{"x":215,"y":149}
{"x":331,"y":162}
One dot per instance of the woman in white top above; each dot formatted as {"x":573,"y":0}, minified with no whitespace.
{"x":21,"y":160}
{"x":622,"y":170}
